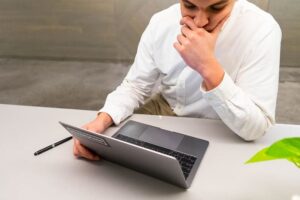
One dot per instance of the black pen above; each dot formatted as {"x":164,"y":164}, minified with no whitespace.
{"x":52,"y":145}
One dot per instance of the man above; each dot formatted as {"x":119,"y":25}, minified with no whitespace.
{"x":214,"y":59}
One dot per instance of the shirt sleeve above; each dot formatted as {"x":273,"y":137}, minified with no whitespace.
{"x":138,"y":83}
{"x":247,"y":104}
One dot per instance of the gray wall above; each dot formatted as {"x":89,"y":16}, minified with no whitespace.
{"x":287,"y":13}
{"x":74,"y":29}
{"x":105,"y":29}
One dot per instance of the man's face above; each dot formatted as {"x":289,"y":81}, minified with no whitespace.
{"x":206,"y":14}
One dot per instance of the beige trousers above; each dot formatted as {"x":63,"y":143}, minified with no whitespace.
{"x":157,"y":105}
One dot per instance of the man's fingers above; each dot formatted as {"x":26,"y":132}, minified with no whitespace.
{"x":189,"y":22}
{"x":80,"y":151}
{"x":181,"y":39}
{"x":186,"y":31}
{"x":85,"y":153}
{"x":75,"y":151}
{"x":177,"y":46}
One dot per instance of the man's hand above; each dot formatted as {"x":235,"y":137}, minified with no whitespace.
{"x":98,"y":125}
{"x":196,"y":46}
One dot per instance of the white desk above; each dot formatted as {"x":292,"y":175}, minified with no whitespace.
{"x":56,"y":174}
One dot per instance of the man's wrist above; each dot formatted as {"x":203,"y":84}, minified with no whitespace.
{"x":104,"y":120}
{"x":212,"y":74}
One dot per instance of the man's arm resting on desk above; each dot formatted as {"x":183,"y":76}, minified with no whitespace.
{"x":98,"y":125}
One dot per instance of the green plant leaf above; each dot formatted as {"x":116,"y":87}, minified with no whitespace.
{"x":261,"y":156}
{"x":295,"y":160}
{"x":285,"y":148}
{"x":288,"y":148}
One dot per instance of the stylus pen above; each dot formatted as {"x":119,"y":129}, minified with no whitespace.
{"x":52,"y":145}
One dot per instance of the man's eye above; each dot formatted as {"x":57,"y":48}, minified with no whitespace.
{"x":189,"y":6}
{"x":217,"y":8}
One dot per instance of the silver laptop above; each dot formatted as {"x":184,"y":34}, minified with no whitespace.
{"x":167,"y":155}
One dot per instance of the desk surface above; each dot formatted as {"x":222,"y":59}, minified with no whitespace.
{"x":56,"y":174}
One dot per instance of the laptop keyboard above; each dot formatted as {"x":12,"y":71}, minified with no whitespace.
{"x":186,"y":161}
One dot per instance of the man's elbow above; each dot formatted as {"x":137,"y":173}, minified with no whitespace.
{"x":256,"y":130}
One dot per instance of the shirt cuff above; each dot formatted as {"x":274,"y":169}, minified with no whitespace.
{"x":223,"y":92}
{"x":116,"y":117}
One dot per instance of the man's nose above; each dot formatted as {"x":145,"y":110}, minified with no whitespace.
{"x":201,"y":19}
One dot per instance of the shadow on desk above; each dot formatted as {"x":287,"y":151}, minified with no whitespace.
{"x":134,"y":181}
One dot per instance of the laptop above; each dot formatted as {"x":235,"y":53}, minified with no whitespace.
{"x":164,"y":154}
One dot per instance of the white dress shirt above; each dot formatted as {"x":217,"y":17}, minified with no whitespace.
{"x":248,"y":49}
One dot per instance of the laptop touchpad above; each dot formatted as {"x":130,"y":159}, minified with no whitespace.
{"x":161,"y":137}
